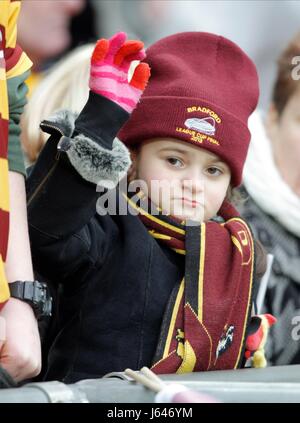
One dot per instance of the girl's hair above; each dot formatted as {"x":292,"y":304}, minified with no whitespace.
{"x":64,"y":86}
{"x":285,"y":86}
{"x":235,"y":196}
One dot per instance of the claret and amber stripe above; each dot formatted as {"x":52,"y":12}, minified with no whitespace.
{"x":213,"y":296}
{"x":13,"y":62}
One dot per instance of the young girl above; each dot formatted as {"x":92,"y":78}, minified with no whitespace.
{"x":169,"y":282}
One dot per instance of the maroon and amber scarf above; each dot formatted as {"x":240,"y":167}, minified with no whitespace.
{"x":13,"y":62}
{"x":205,"y":321}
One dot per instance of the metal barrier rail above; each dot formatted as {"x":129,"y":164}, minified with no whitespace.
{"x":270,"y":385}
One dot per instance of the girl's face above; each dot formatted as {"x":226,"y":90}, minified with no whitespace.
{"x":183,"y":180}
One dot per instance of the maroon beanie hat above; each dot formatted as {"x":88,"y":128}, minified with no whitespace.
{"x":202,"y":90}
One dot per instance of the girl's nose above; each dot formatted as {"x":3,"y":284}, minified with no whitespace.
{"x":193,"y":180}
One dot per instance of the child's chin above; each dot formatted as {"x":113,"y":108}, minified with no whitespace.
{"x":190,"y":216}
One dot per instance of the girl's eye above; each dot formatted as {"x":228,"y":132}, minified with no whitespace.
{"x":214,"y":171}
{"x":175,"y":162}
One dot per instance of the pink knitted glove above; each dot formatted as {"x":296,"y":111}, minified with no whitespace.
{"x":110,"y":63}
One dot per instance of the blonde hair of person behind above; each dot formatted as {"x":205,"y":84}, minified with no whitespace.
{"x":65,"y":86}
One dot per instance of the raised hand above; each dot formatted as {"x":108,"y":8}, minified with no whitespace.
{"x":110,"y":64}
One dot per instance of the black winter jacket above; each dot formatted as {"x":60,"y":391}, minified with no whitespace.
{"x":116,"y":279}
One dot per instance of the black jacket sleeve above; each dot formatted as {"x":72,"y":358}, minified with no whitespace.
{"x":61,"y":200}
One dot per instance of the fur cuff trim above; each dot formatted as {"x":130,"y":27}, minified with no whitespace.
{"x":97,"y":164}
{"x":93,"y":162}
{"x":64,"y":120}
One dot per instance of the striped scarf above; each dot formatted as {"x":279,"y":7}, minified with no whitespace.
{"x":205,"y":321}
{"x":13,"y":62}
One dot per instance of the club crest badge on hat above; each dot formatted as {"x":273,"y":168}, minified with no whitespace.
{"x":206,"y":125}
